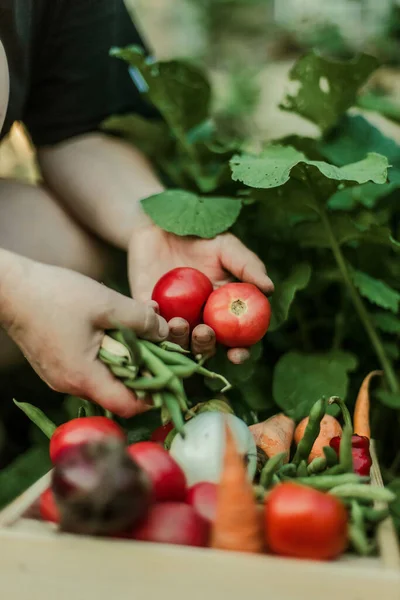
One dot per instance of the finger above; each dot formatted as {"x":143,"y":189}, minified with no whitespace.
{"x":110,"y":393}
{"x":154,"y":305}
{"x":237,"y":356}
{"x":244,"y":264}
{"x":203,"y":341}
{"x":179,"y":332}
{"x":139,"y":316}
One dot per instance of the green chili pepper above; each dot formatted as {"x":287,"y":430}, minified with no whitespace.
{"x":270,"y":468}
{"x":354,"y":490}
{"x":328,"y":482}
{"x":174,"y":409}
{"x":317,"y":465}
{"x":302,"y":469}
{"x":311,"y":432}
{"x":330,"y":456}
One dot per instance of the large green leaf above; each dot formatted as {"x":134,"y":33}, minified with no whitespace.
{"x":300,"y":379}
{"x":275,"y":165}
{"x":23,"y":472}
{"x":326,"y":88}
{"x":376,"y":291}
{"x":285,"y":292}
{"x":184,"y":213}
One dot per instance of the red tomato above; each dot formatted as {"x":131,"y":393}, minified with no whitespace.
{"x":182,"y":292}
{"x":173,"y":523}
{"x":203,"y":498}
{"x":48,"y":507}
{"x":304,"y":523}
{"x":239,"y":313}
{"x":161,"y":433}
{"x":84,"y":429}
{"x":167,"y":477}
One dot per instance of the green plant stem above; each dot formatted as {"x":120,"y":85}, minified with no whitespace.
{"x":359,"y":304}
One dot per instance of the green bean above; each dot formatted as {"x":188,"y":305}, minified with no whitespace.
{"x":270,"y":468}
{"x":345,"y":411}
{"x":174,"y":409}
{"x":317,"y":465}
{"x":328,"y":482}
{"x":176,"y":387}
{"x":358,"y":541}
{"x":359,"y":531}
{"x":302,"y":469}
{"x":147,"y":383}
{"x":141,"y":394}
{"x":335,"y":470}
{"x":112,"y":359}
{"x":288,"y":470}
{"x":81,"y":412}
{"x":330,"y":456}
{"x":184,"y":372}
{"x":128,"y":338}
{"x":346,"y":450}
{"x":157,"y":399}
{"x":169,"y":439}
{"x":129,"y":372}
{"x":108,"y":414}
{"x":362,"y":492}
{"x":374,"y":515}
{"x":171,"y":347}
{"x":311,"y":432}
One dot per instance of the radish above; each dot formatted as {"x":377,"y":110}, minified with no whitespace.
{"x":200,"y":452}
{"x":173,"y":523}
{"x":203,"y":498}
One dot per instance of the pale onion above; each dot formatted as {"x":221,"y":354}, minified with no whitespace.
{"x":200,"y":453}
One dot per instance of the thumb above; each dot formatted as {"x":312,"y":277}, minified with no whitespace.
{"x":110,"y":393}
{"x":140,"y":317}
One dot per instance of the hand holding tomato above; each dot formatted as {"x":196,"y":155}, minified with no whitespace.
{"x":153,"y":252}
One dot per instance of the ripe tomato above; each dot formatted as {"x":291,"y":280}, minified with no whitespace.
{"x":182,"y":292}
{"x":173,"y":523}
{"x":48,"y":508}
{"x":167,"y":477}
{"x":304,"y":523}
{"x":203,"y":498}
{"x":80,"y":430}
{"x":159,"y":435}
{"x":239,"y":313}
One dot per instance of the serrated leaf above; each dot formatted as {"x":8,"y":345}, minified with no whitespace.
{"x":376,"y":291}
{"x":184,"y":213}
{"x":273,"y":168}
{"x":390,"y":399}
{"x":285,"y":293}
{"x":387,"y":322}
{"x":326,"y":88}
{"x":151,"y":137}
{"x":300,"y":379}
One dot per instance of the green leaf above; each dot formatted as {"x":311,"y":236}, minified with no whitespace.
{"x":300,"y":379}
{"x":184,"y":213}
{"x":394,"y":507}
{"x":390,"y":399}
{"x":22,"y":473}
{"x":37,"y":417}
{"x":387,"y":322}
{"x":326,"y":88}
{"x":376,"y":291}
{"x":285,"y":293}
{"x":273,"y":168}
{"x":392,"y":350}
{"x":235,"y":374}
{"x":180,"y":91}
{"x":151,"y":137}
{"x":384,"y":105}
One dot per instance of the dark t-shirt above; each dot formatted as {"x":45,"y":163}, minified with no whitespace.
{"x":63,"y":82}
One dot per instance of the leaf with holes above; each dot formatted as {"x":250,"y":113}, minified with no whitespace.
{"x":184,"y":213}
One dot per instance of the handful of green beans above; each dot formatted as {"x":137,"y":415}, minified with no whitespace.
{"x":155,"y":372}
{"x":332,"y":474}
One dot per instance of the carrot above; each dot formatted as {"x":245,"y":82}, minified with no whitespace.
{"x":361,"y":409}
{"x":275,"y":435}
{"x":237,"y":525}
{"x":329,"y":428}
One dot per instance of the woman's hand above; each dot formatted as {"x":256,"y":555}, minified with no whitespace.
{"x":153,"y":252}
{"x":58,"y":318}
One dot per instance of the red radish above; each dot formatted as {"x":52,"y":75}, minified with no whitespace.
{"x":159,"y":435}
{"x":82,"y":430}
{"x":167,"y":477}
{"x":182,"y":292}
{"x":173,"y":523}
{"x":239,"y":313}
{"x":48,"y":508}
{"x":203,"y":498}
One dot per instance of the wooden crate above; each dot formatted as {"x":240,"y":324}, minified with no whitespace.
{"x":39,"y":563}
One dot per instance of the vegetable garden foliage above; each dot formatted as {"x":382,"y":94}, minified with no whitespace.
{"x":323,"y":214}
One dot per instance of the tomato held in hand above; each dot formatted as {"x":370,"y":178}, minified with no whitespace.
{"x":81,"y":430}
{"x":48,"y":508}
{"x":239,"y":314}
{"x":182,"y":292}
{"x":305,"y":523}
{"x":167,"y":477}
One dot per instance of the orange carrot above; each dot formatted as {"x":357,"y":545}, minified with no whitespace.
{"x":329,"y":428}
{"x":237,"y":525}
{"x":361,"y":424}
{"x":274,"y":435}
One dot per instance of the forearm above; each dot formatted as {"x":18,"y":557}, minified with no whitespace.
{"x":101,"y":181}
